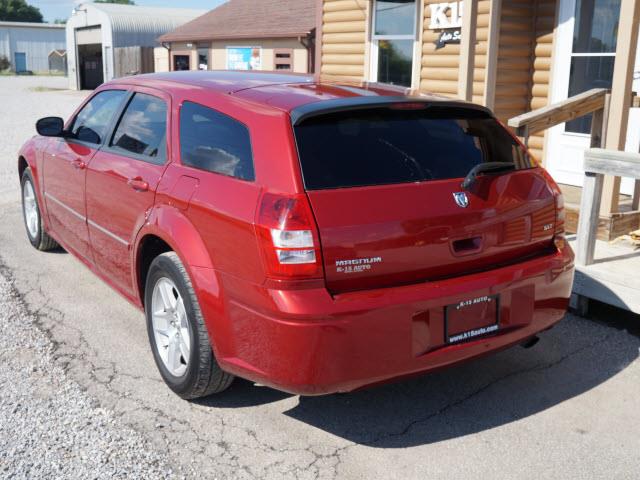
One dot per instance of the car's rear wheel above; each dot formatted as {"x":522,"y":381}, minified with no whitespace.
{"x":177,"y":332}
{"x":32,"y":217}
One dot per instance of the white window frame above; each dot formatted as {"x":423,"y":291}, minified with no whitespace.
{"x":564,"y":55}
{"x":564,"y":150}
{"x":374,"y":50}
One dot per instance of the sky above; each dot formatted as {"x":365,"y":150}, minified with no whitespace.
{"x":61,"y":9}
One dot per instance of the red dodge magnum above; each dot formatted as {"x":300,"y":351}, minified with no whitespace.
{"x":314,"y":237}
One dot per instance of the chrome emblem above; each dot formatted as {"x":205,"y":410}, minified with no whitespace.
{"x":461,"y":199}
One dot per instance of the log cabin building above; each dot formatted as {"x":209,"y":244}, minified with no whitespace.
{"x":515,"y":56}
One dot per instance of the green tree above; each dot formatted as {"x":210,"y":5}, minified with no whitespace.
{"x":4,"y":63}
{"x":121,"y":2}
{"x":19,"y":11}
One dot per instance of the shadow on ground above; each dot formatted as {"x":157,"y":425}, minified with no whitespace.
{"x":576,"y":356}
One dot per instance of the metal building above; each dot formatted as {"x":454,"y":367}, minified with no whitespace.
{"x":99,"y":34}
{"x":28,"y":45}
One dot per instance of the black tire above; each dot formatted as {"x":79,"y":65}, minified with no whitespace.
{"x":41,"y":240}
{"x":203,"y":376}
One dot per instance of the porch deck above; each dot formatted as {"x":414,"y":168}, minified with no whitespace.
{"x":573,"y":197}
{"x":617,"y":224}
{"x":614,"y":276}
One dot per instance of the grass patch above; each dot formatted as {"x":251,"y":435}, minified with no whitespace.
{"x":9,"y":73}
{"x":46,"y":89}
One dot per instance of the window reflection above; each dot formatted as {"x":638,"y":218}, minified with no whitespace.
{"x":90,"y":125}
{"x":395,"y":17}
{"x":596,"y":26}
{"x":594,"y":44}
{"x":588,"y":73}
{"x":395,"y":61}
{"x":142,"y":129}
{"x":212,"y":141}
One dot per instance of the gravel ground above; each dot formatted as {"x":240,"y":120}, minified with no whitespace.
{"x":49,"y":427}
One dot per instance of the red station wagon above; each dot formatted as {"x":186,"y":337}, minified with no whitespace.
{"x":314,"y":237}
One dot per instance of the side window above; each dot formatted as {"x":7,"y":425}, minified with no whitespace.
{"x":92,"y":122}
{"x":142,"y":130}
{"x":210,"y":140}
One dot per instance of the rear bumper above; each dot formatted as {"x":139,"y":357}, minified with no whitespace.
{"x":308,"y":342}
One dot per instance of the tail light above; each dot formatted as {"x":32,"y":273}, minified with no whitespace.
{"x":559,"y":238}
{"x":289,"y":238}
{"x":558,"y":235}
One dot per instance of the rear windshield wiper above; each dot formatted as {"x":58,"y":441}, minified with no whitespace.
{"x":493,"y":168}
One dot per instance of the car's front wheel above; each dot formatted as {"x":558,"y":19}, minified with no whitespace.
{"x":177,"y":332}
{"x":31,"y":213}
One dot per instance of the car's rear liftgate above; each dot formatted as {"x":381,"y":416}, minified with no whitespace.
{"x":385,"y":187}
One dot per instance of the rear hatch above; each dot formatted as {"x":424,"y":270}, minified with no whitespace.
{"x":384,"y":185}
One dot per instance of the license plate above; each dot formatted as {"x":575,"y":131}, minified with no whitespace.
{"x":472,"y":318}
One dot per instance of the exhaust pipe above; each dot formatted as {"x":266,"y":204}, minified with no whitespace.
{"x":530,"y":342}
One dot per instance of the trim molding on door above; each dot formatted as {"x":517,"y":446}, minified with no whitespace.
{"x":108,"y":233}
{"x":85,"y":219}
{"x":66,"y":207}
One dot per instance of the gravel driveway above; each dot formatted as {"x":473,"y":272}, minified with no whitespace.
{"x":48,"y":425}
{"x":81,"y":397}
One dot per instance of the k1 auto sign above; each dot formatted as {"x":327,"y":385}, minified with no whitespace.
{"x":446,"y":16}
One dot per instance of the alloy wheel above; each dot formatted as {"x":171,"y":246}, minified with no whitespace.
{"x":30,"y":209}
{"x":171,"y":327}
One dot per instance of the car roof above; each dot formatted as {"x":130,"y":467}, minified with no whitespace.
{"x":287,"y":92}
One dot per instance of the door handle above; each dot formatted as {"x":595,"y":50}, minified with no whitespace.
{"x":138,"y":184}
{"x":79,"y":164}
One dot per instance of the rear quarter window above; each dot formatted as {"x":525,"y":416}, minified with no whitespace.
{"x":380,"y":146}
{"x":215,"y":142}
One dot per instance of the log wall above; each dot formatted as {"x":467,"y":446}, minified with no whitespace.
{"x":545,"y":19}
{"x":344,"y":30}
{"x":515,"y":59}
{"x":439,"y":73}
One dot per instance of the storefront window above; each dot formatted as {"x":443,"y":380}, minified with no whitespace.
{"x":180,"y":62}
{"x":393,"y":41}
{"x":593,"y":54}
{"x":395,"y":17}
{"x":395,"y":61}
{"x":203,"y":58}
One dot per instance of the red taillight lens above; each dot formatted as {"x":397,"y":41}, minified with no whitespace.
{"x":289,"y":240}
{"x":559,"y":239}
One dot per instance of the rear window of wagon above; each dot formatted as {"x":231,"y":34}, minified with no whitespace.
{"x":385,"y":145}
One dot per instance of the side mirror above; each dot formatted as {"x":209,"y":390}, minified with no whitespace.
{"x":50,"y":126}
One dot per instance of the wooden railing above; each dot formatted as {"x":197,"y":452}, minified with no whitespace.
{"x":598,"y":163}
{"x":594,"y":101}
